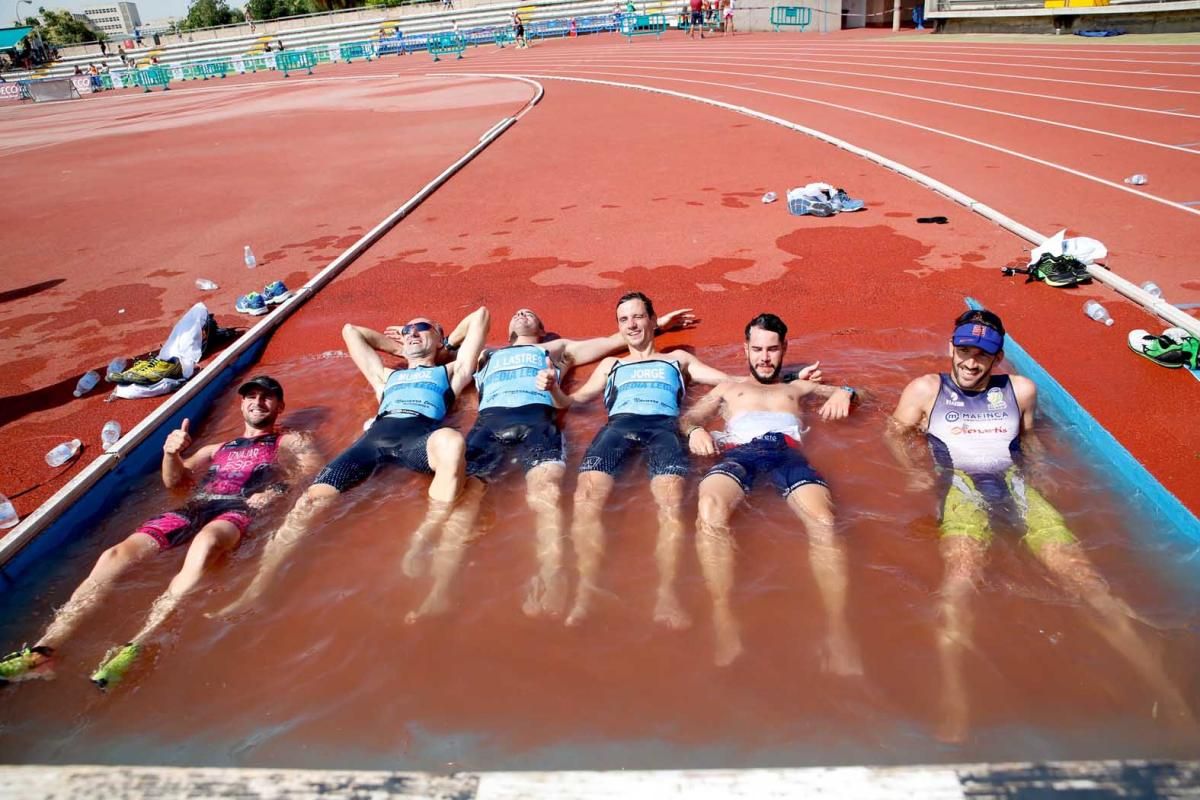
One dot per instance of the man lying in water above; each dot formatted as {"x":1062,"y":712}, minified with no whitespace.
{"x":762,"y":435}
{"x":519,"y":401}
{"x":980,"y":428}
{"x":240,"y":479}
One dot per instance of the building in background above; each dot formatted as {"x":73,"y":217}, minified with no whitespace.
{"x":160,"y":25}
{"x":115,"y":18}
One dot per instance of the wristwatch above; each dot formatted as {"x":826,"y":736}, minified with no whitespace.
{"x":850,"y":389}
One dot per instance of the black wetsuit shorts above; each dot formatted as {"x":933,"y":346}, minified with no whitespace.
{"x":657,"y":434}
{"x":389,"y":440}
{"x":774,"y":453}
{"x":529,"y":432}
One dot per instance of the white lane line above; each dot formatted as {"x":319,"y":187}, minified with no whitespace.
{"x":920,"y":98}
{"x":826,"y":137}
{"x":1057,"y":98}
{"x":1017,"y":76}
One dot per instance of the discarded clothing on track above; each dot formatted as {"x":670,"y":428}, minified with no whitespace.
{"x":821,"y":200}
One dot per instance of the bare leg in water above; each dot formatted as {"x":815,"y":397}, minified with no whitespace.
{"x":112,"y":563}
{"x":458,"y":531}
{"x":547,"y":595}
{"x":668,"y":494}
{"x":215,"y":538}
{"x":446,"y":452}
{"x":813,"y":504}
{"x":1114,"y":621}
{"x":964,"y":559}
{"x":587,"y":534}
{"x":300,"y":520}
{"x":719,"y":496}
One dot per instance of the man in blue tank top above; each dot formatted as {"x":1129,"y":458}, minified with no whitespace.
{"x":762,"y":437}
{"x":979,"y":427}
{"x":409,"y":431}
{"x":643,"y":392}
{"x":519,"y":400}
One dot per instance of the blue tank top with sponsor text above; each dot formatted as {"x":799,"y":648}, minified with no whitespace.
{"x":976,"y":432}
{"x":508,"y":379}
{"x":644,"y":387}
{"x":423,"y":391}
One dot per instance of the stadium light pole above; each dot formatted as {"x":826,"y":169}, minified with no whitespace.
{"x":17,"y":11}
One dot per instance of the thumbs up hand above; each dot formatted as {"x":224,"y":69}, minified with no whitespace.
{"x":177,"y":441}
{"x":548,"y":376}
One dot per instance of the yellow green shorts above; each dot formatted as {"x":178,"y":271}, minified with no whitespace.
{"x":965,"y":510}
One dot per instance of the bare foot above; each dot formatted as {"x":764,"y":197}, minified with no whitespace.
{"x":547,"y":596}
{"x":668,"y":612}
{"x":434,"y":605}
{"x":729,"y":645}
{"x":841,"y":656}
{"x":580,"y":610}
{"x":416,"y":560}
{"x":952,"y":729}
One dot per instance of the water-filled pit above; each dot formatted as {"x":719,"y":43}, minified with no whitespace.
{"x":327,"y":674}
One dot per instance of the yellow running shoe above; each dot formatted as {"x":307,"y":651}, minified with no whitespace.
{"x":153,"y":370}
{"x":115,"y":665}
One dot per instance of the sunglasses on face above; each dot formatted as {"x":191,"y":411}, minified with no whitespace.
{"x":416,"y":327}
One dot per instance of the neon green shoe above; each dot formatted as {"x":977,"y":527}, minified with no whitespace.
{"x":26,"y":664}
{"x":116,"y":663}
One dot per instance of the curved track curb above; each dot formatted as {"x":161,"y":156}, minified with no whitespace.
{"x":90,"y":492}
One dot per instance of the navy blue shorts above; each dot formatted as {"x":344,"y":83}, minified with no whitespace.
{"x":657,"y":434}
{"x":389,"y":440}
{"x":773,"y":454}
{"x":529,"y":432}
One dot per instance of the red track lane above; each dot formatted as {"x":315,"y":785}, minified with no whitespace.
{"x":632,"y":232}
{"x":139,"y":195}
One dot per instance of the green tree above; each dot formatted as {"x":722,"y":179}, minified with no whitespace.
{"x":209,"y":14}
{"x":61,"y":27}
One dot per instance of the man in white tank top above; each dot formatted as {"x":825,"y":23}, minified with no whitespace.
{"x":986,"y":454}
{"x":762,"y":436}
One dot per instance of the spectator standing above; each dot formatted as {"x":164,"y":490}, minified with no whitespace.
{"x":697,"y":22}
{"x":103,"y":48}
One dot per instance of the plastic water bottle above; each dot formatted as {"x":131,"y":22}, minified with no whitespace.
{"x":1151,"y":288}
{"x":1136,"y":180}
{"x":118,"y":365}
{"x":63,"y":453}
{"x":1097,"y":312}
{"x":110,"y":433}
{"x":87,"y":382}
{"x":248,"y":257}
{"x":8,"y":514}
{"x":205,"y":285}
{"x":770,"y":197}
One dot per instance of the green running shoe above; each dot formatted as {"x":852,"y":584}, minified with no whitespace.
{"x":116,"y":663}
{"x":25,"y":664}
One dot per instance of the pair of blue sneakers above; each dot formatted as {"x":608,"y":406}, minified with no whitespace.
{"x":255,"y":303}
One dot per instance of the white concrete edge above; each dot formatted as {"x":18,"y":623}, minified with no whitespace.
{"x":1115,"y":10}
{"x":1154,"y":305}
{"x":49,"y":511}
{"x":1109,"y":778}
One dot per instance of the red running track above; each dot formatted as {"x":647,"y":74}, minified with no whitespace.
{"x":1042,"y":133}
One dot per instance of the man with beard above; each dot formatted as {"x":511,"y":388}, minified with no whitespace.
{"x":980,"y":429}
{"x":240,"y":480}
{"x":519,"y":401}
{"x":762,"y":435}
{"x":409,"y":431}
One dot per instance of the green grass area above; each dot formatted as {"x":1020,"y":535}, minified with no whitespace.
{"x":1039,"y":38}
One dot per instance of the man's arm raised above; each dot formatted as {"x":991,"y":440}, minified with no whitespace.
{"x":463,"y":368}
{"x":584,"y":351}
{"x":699,"y":372}
{"x":905,"y":423}
{"x":175,"y":468}
{"x":363,"y":345}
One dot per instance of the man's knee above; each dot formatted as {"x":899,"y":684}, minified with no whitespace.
{"x":446,"y":448}
{"x":124,"y":553}
{"x":714,"y":510}
{"x":544,"y":491}
{"x":591,"y":491}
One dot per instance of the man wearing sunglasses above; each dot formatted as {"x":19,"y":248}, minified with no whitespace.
{"x":519,"y":399}
{"x":409,"y":430}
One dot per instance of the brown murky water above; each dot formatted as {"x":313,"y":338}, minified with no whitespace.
{"x":327,"y":674}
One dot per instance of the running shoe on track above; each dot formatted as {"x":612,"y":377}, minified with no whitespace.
{"x":150,"y":371}
{"x":25,"y":664}
{"x":1169,"y":350}
{"x":253,"y":304}
{"x":115,"y":665}
{"x":276,"y":293}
